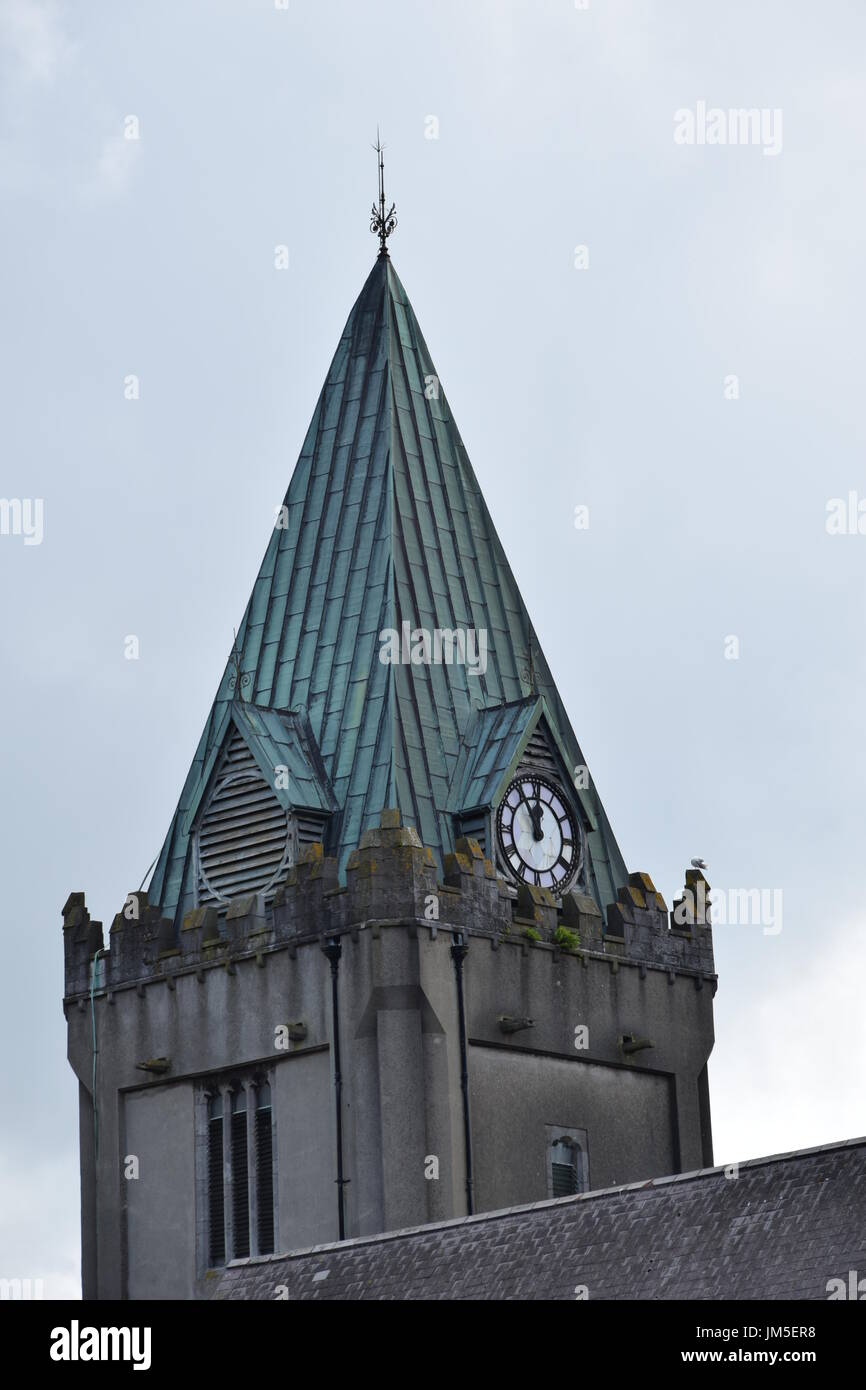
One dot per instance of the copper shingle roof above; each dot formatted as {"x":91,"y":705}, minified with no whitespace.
{"x":383,"y":523}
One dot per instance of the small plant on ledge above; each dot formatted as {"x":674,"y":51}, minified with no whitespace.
{"x":567,"y":940}
{"x":531,"y":934}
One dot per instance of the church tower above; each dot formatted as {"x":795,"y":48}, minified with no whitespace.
{"x":390,"y":967}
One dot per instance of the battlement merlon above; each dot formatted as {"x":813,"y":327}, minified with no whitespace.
{"x":82,"y":939}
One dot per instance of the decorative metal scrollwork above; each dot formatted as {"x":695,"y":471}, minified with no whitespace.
{"x":382,"y":223}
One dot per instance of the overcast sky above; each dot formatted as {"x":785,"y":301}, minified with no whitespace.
{"x":600,"y":378}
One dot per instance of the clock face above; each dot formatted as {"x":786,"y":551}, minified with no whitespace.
{"x":538,"y":835}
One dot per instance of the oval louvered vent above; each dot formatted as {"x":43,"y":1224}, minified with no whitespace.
{"x":243,"y":838}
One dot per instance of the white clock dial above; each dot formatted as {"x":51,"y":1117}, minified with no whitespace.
{"x":537,"y":833}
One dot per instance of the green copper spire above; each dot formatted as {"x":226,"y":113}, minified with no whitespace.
{"x":384,"y":531}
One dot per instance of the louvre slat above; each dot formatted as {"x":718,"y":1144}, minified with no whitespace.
{"x":230,"y":890}
{"x":239,"y":753}
{"x":236,"y":882}
{"x":254,"y":833}
{"x":539,"y":752}
{"x":236,"y":820}
{"x":230,"y":812}
{"x":259,"y":857}
{"x":475,"y":828}
{"x":234,"y":866}
{"x":269,"y":842}
{"x":237,"y":779}
{"x":240,"y":796}
{"x":241,"y":791}
{"x":233,"y":816}
{"x":238,"y":872}
{"x":311,"y":829}
{"x":237,"y":876}
{"x":242,"y":834}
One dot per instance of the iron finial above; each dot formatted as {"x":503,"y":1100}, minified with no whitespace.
{"x":527,"y":672}
{"x":239,"y":680}
{"x":382,"y":222}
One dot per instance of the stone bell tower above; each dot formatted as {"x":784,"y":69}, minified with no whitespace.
{"x":390,"y":967}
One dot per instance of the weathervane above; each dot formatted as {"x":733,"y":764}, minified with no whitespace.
{"x":238,"y":682}
{"x":382,"y":222}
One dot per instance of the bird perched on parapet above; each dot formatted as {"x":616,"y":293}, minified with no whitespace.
{"x":698,"y":864}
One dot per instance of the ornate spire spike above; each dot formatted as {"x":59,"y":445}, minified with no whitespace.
{"x":382,"y":222}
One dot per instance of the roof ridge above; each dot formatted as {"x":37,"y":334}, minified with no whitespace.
{"x":390,"y":709}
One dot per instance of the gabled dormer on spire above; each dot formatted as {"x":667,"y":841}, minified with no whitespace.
{"x":262,"y":798}
{"x":386,"y":621}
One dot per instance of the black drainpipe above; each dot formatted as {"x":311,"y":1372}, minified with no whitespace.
{"x":458,"y":955}
{"x":333,"y":950}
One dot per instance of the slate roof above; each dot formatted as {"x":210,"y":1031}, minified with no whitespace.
{"x":782,"y":1228}
{"x":385,"y":524}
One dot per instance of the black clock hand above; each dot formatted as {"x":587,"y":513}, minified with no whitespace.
{"x":536,"y":813}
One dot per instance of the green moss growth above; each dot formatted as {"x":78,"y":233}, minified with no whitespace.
{"x":567,"y":940}
{"x":531,"y":934}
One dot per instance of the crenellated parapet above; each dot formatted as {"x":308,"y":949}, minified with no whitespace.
{"x":138,"y":937}
{"x":472,"y":896}
{"x":391,"y":879}
{"x":640,"y":924}
{"x":302,"y":903}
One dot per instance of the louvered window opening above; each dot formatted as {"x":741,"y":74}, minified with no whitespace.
{"x":265,"y":1170}
{"x":216,"y":1186}
{"x":311,"y":828}
{"x":243,"y":840}
{"x":539,"y":753}
{"x":243,"y":1115}
{"x":474,"y":827}
{"x":565,"y":1161}
{"x":240,"y":1177}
